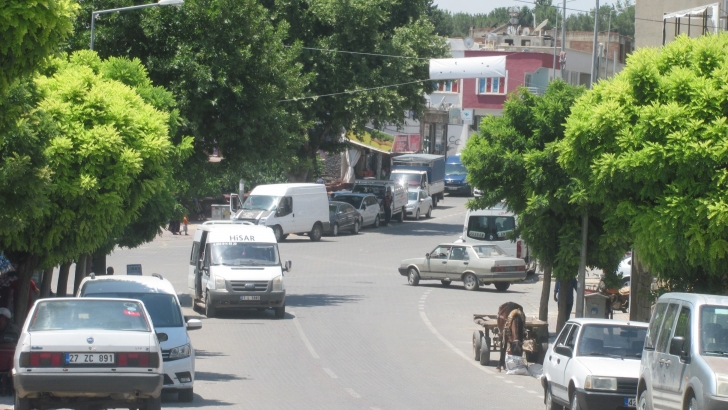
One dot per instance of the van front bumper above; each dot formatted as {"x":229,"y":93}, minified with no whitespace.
{"x":222,"y":299}
{"x":714,"y":402}
{"x":593,"y":400}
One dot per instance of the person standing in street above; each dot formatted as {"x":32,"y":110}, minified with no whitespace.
{"x":184,"y":223}
{"x":387,"y":205}
{"x":569,"y":295}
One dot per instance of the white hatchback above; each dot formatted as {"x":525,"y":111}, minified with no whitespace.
{"x":160,"y":299}
{"x":594,"y":363}
{"x":97,"y":353}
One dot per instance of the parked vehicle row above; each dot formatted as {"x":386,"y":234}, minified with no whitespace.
{"x":677,"y":361}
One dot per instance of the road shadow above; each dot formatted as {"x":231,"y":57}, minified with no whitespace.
{"x":300,"y":238}
{"x":185,"y":299}
{"x":207,"y":353}
{"x":198,"y":401}
{"x":217,"y":377}
{"x":320,"y":299}
{"x":421,"y":228}
{"x":460,"y":288}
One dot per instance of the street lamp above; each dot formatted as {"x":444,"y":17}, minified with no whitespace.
{"x":143,"y":6}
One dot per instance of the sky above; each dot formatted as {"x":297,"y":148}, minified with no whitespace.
{"x":485,"y":6}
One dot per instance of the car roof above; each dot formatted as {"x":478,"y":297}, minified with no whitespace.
{"x":338,"y":203}
{"x":130,"y":284}
{"x":360,"y":194}
{"x":595,"y":321}
{"x":696,"y":298}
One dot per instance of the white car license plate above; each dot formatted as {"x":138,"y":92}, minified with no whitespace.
{"x":452,"y":188}
{"x":250,"y":298}
{"x":630,"y":402}
{"x":90,"y":358}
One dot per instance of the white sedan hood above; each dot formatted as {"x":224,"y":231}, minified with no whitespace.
{"x":609,"y":367}
{"x":246,"y":272}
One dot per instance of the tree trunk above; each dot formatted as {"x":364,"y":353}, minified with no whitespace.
{"x":80,"y":272}
{"x":45,"y":286}
{"x":87,"y":270}
{"x":25,"y":272}
{"x":543,"y":309}
{"x":563,"y":288}
{"x":98,"y":262}
{"x":640,"y":303}
{"x":63,"y":272}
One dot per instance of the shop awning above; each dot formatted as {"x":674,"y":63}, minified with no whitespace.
{"x":362,"y":145}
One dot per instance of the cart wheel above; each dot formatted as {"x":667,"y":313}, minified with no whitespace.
{"x":485,"y":352}
{"x":477,"y":342}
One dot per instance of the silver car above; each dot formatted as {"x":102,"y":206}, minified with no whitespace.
{"x":685,"y":358}
{"x":474,"y":265}
{"x":418,"y":203}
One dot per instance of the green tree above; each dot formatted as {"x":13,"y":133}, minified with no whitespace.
{"x":103,"y":153}
{"x":648,"y":144}
{"x":31,"y":30}
{"x":441,"y":19}
{"x":395,"y":28}
{"x":513,"y":158}
{"x":622,"y":19}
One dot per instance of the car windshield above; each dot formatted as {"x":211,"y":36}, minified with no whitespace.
{"x":455,"y":169}
{"x":378,"y":191}
{"x":488,"y":251}
{"x":162,"y":307}
{"x":714,"y":330}
{"x":243,"y":253}
{"x":80,"y":314}
{"x":261,"y":202}
{"x":617,"y":341}
{"x":350,"y":199}
{"x":412,"y":196}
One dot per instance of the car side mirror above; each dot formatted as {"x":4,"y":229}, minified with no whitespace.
{"x":287,"y":266}
{"x":677,"y":347}
{"x":162,"y":337}
{"x":563,"y":350}
{"x":194,"y":324}
{"x":427,"y":255}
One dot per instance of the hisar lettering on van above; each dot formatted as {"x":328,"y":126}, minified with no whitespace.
{"x":242,"y":238}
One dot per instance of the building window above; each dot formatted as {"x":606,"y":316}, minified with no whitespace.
{"x":492,"y":85}
{"x":448,"y":86}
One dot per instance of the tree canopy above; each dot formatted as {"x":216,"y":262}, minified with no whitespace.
{"x":31,"y":30}
{"x":650,"y":144}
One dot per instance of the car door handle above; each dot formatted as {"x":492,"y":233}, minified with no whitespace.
{"x":444,"y":262}
{"x":465,"y":263}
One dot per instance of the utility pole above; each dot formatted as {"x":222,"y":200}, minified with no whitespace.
{"x":594,"y":46}
{"x":609,"y":36}
{"x":563,"y":42}
{"x":582,"y":264}
{"x":556,"y":32}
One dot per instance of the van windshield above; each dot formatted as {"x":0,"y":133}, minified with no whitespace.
{"x":162,"y":307}
{"x":455,"y":169}
{"x":714,"y":330}
{"x":261,"y":202}
{"x":244,"y":253}
{"x":490,"y":228}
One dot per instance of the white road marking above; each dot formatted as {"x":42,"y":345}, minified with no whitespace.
{"x":518,"y":387}
{"x":447,"y":343}
{"x":331,"y":373}
{"x":531,"y":391}
{"x":353,"y":393}
{"x":508,"y":381}
{"x":308,"y":344}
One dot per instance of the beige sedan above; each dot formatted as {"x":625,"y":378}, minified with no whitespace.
{"x":474,"y":265}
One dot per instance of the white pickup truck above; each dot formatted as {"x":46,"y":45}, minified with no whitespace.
{"x":421,"y":170}
{"x":378,"y":188}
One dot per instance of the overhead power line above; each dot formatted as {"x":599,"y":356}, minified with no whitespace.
{"x":354,"y":91}
{"x":360,"y":53}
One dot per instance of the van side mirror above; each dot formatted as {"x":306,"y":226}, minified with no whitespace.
{"x":194,"y":324}
{"x":678,"y":348}
{"x":162,"y":337}
{"x":563,"y":350}
{"x":287,"y":266}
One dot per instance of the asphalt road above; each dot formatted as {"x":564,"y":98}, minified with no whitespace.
{"x":355,"y":335}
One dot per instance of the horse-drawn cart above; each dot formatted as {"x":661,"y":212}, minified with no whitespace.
{"x":535,"y":343}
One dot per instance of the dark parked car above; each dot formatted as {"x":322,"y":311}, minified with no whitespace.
{"x":343,"y":216}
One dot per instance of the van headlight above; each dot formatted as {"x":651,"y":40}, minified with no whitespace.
{"x":220,"y":283}
{"x":722,"y":385}
{"x":600,"y":383}
{"x":180,"y":352}
{"x":278,"y":283}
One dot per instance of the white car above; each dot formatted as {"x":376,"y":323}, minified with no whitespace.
{"x":418,"y":203}
{"x":160,"y":300}
{"x":97,"y":353}
{"x":472,"y":264}
{"x":594,"y":363}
